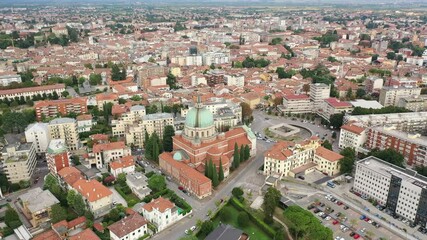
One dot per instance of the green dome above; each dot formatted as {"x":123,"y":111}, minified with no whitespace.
{"x":199,"y":118}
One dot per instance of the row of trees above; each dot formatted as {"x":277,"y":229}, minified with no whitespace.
{"x":384,"y":110}
{"x":251,"y":63}
{"x":240,"y":156}
{"x":153,"y":145}
{"x":212,"y":174}
{"x":284,"y":74}
{"x":320,"y":74}
{"x":326,"y":39}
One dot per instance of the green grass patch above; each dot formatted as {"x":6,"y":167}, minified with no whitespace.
{"x":130,"y":198}
{"x":252,"y":229}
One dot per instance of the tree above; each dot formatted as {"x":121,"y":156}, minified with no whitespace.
{"x":326,"y":144}
{"x":71,"y":196}
{"x":276,"y":41}
{"x":65,"y":94}
{"x":422,"y":170}
{"x":247,"y":151}
{"x":168,"y":133}
{"x":242,"y":153}
{"x":206,"y":228}
{"x":215,"y":180}
{"x":347,"y":163}
{"x":171,"y":81}
{"x":391,"y":55}
{"x":360,"y":92}
{"x":50,"y":181}
{"x":246,"y":112}
{"x":306,"y":88}
{"x":11,"y":218}
{"x":95,"y":79}
{"x":389,"y":155}
{"x":220,"y":171}
{"x":236,"y":157}
{"x":117,"y":74}
{"x":349,"y":94}
{"x":243,"y":219}
{"x":225,"y":214}
{"x":157,"y":183}
{"x":336,"y":120}
{"x":58,"y":213}
{"x":121,"y":179}
{"x":79,"y":205}
{"x":271,"y":201}
{"x":237,"y":192}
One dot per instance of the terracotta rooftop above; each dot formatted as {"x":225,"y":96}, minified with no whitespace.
{"x":161,"y":204}
{"x":86,"y":234}
{"x":127,"y":225}
{"x":123,"y":162}
{"x":353,"y":128}
{"x":70,"y":175}
{"x":337,"y":103}
{"x":92,"y":190}
{"x":328,"y":154}
{"x":48,"y":235}
{"x":108,"y":146}
{"x":33,"y":89}
{"x":296,"y":97}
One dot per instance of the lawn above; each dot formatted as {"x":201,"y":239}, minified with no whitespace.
{"x":252,"y":230}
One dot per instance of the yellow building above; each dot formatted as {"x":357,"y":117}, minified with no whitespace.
{"x":37,"y":205}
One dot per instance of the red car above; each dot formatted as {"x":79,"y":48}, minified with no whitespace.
{"x":181,"y":188}
{"x":356,"y":236}
{"x":335,"y":222}
{"x":367,"y":219}
{"x":339,"y":203}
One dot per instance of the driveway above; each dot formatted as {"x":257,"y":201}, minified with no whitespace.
{"x":117,"y":197}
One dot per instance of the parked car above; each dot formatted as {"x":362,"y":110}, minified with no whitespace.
{"x":362,"y":217}
{"x":335,"y":222}
{"x":193,"y":228}
{"x":181,"y":188}
{"x":356,"y":236}
{"x":301,"y":177}
{"x":346,"y":207}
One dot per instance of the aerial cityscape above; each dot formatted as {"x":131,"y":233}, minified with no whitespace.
{"x":216,"y":120}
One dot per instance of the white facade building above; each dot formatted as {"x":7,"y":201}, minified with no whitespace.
{"x":390,"y":96}
{"x":132,"y":227}
{"x":401,"y":191}
{"x":297,"y":104}
{"x":19,"y":161}
{"x":161,"y":212}
{"x":235,"y":80}
{"x":38,"y":133}
{"x":319,"y":92}
{"x":352,"y":136}
{"x":7,"y":78}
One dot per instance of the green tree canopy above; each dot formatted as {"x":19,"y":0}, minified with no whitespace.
{"x":271,"y":201}
{"x":168,"y":133}
{"x":157,"y":183}
{"x":389,"y":155}
{"x":58,"y":213}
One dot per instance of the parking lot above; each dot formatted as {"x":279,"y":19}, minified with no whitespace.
{"x":345,"y":222}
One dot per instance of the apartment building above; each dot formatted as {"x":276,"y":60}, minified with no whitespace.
{"x":60,"y":107}
{"x":192,"y":60}
{"x":406,"y":122}
{"x":297,"y":159}
{"x":319,"y":92}
{"x":197,"y":80}
{"x":333,"y":106}
{"x":32,"y":91}
{"x":414,"y":103}
{"x":104,"y":153}
{"x":7,"y":78}
{"x":402,"y":191}
{"x":237,"y":80}
{"x":413,"y":146}
{"x":297,"y":104}
{"x":65,"y":128}
{"x":57,"y":156}
{"x":38,"y":133}
{"x":352,"y":136}
{"x":373,"y":84}
{"x":390,"y":96}
{"x":84,"y":123}
{"x":98,"y":197}
{"x":132,"y":227}
{"x":209,"y":58}
{"x":135,"y":133}
{"x":19,"y":160}
{"x":37,"y":205}
{"x":161,"y":212}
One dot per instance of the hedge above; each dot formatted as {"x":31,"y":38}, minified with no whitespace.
{"x":129,"y":198}
{"x":167,"y":193}
{"x":261,"y":224}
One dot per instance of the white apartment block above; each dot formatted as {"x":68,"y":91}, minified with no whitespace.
{"x":234,"y":80}
{"x":32,"y":91}
{"x":297,"y":104}
{"x":390,"y":96}
{"x":197,"y":80}
{"x":333,"y":106}
{"x":7,"y":78}
{"x":65,"y":128}
{"x":19,"y":161}
{"x":193,"y":60}
{"x":104,"y":153}
{"x":402,"y":191}
{"x":407,"y":122}
{"x":38,"y":133}
{"x":84,"y":123}
{"x":414,"y":103}
{"x":161,"y":212}
{"x":137,"y":182}
{"x":319,"y":92}
{"x":352,"y":136}
{"x":215,"y":58}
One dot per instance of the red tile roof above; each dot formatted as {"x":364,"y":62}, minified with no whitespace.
{"x":353,"y":128}
{"x":161,"y":204}
{"x":70,"y":175}
{"x":32,"y":89}
{"x":48,"y":235}
{"x":296,"y":97}
{"x":127,"y":225}
{"x":86,"y":234}
{"x":337,"y":103}
{"x":108,"y":146}
{"x":92,"y":190}
{"x":123,"y":162}
{"x":328,"y":154}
